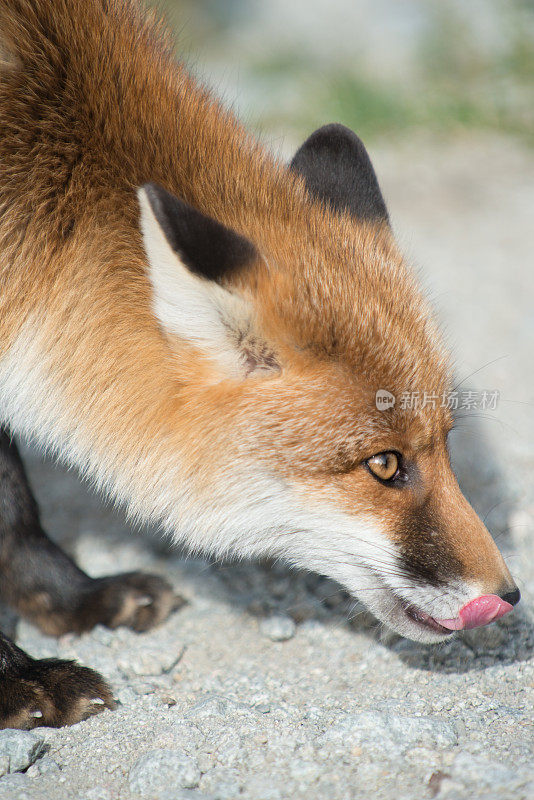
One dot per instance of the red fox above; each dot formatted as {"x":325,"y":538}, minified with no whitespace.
{"x":206,"y":334}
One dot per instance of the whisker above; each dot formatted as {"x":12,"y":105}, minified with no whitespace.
{"x":385,"y":568}
{"x":471,"y":415}
{"x":519,"y":402}
{"x":506,"y":500}
{"x":476,"y":371}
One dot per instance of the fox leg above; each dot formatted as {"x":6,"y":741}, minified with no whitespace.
{"x":41,"y":582}
{"x":48,"y":691}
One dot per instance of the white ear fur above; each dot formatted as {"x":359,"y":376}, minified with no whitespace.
{"x":195,"y":309}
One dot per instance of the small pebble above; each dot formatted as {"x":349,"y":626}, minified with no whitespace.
{"x":147,"y":661}
{"x":156,"y":771}
{"x":278,"y":628}
{"x":42,"y":766}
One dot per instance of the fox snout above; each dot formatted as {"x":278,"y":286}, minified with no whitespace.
{"x":482,"y":610}
{"x":458,"y":577}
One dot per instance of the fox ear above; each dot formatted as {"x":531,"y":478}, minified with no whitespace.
{"x":187,"y":254}
{"x":337,"y":170}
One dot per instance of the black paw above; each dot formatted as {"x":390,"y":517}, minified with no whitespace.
{"x":134,"y":599}
{"x":52,"y":693}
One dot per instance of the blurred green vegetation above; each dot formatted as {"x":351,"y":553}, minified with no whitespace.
{"x":457,"y":78}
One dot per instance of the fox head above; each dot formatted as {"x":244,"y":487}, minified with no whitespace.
{"x":282,"y":360}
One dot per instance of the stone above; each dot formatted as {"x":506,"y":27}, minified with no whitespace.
{"x":278,"y":628}
{"x":147,"y":661}
{"x":19,"y":750}
{"x":155,"y":773}
{"x":222,"y":784}
{"x":482,"y":771}
{"x":42,"y":766}
{"x":391,"y":734}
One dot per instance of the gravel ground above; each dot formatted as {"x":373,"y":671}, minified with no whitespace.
{"x":272,"y":684}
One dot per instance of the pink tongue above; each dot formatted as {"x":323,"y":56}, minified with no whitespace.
{"x":480,"y":611}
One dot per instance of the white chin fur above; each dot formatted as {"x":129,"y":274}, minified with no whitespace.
{"x":389,"y":611}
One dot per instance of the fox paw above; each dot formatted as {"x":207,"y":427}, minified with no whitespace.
{"x":51,"y":693}
{"x":135,"y":599}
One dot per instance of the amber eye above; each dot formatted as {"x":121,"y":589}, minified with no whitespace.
{"x":384,"y":465}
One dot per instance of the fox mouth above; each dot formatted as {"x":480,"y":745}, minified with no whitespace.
{"x":406,"y":617}
{"x":403,"y":615}
{"x":410,"y":620}
{"x":424,"y":620}
{"x":417,"y":616}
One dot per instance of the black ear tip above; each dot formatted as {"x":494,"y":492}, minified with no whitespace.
{"x":335,"y":134}
{"x":337,"y":169}
{"x":207,"y":247}
{"x":155,"y":194}
{"x":335,"y":129}
{"x":150,"y":187}
{"x":164,"y":205}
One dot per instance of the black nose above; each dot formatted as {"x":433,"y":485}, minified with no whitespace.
{"x":512,"y":597}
